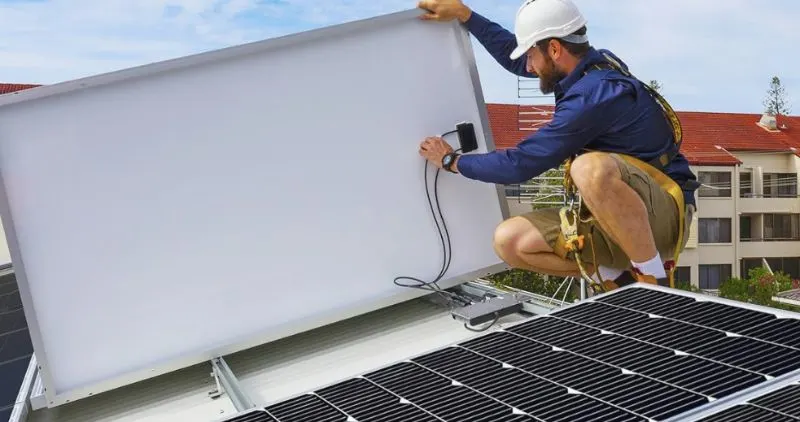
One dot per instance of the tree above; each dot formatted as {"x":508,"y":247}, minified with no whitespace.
{"x":759,"y":288}
{"x":776,"y":102}
{"x":655,"y":84}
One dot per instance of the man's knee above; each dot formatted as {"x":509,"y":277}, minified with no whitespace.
{"x":517,"y":236}
{"x":593,"y":170}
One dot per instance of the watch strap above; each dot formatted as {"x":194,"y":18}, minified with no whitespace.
{"x":448,"y":164}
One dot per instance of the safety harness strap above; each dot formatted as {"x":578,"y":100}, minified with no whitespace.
{"x":569,"y":243}
{"x":676,"y":193}
{"x":664,"y":159}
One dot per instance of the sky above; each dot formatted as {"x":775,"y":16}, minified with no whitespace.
{"x":722,"y":60}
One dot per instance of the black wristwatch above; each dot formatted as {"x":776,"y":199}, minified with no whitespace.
{"x":448,"y":160}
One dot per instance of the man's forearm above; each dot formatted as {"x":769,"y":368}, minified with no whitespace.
{"x":502,"y":167}
{"x":498,"y":41}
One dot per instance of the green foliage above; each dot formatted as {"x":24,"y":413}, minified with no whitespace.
{"x":759,"y":288}
{"x":533,"y":282}
{"x":776,"y":101}
{"x":655,"y":84}
{"x":686,"y":285}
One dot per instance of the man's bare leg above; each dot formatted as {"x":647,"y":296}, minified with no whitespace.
{"x":618,"y":209}
{"x":520,"y":244}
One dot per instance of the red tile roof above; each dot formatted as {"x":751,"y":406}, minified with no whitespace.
{"x":9,"y":88}
{"x":703,"y":132}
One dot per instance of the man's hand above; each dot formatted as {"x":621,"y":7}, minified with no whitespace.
{"x":444,"y":10}
{"x":434,"y":148}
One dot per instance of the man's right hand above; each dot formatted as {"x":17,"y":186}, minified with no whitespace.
{"x":444,"y":10}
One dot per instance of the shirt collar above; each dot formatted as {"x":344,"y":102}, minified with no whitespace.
{"x":591,"y":57}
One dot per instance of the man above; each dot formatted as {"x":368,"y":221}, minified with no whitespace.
{"x":598,"y":109}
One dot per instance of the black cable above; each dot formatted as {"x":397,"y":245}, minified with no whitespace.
{"x":444,"y":236}
{"x":451,"y":298}
{"x":486,"y":327}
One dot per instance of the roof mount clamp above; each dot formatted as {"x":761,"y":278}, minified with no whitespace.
{"x":227,"y":383}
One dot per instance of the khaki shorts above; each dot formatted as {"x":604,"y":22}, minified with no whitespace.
{"x":663,"y":216}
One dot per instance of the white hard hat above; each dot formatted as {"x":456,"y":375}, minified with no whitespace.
{"x":540,"y":19}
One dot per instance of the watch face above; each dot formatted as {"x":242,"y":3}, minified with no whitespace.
{"x":447,"y":159}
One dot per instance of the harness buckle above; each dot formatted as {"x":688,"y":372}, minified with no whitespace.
{"x":573,"y":242}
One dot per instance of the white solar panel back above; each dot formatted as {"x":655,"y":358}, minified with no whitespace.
{"x":163,"y":215}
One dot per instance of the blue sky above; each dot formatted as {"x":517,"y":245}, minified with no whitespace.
{"x":722,"y":60}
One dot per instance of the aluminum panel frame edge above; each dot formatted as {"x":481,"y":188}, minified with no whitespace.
{"x":739,"y":398}
{"x":53,"y":398}
{"x":26,"y":297}
{"x":465,"y":43}
{"x":206,"y":57}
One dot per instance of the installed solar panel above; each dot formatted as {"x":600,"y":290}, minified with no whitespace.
{"x":777,"y":406}
{"x":637,"y":354}
{"x":253,"y":416}
{"x":16,"y":348}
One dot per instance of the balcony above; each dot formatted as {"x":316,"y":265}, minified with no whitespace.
{"x":756,"y":247}
{"x":752,"y":204}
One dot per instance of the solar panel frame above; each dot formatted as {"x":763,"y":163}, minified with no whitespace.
{"x":756,"y":404}
{"x":711,"y":406}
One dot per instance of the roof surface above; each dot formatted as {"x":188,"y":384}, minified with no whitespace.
{"x":793,"y":295}
{"x":9,"y":88}
{"x":703,"y":132}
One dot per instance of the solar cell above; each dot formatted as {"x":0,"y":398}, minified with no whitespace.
{"x":253,"y":416}
{"x":310,"y":407}
{"x":637,"y":354}
{"x":16,"y":347}
{"x":780,"y":405}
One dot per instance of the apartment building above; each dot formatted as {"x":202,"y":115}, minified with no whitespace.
{"x":748,"y":208}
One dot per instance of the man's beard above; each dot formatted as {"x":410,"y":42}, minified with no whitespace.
{"x":549,"y":76}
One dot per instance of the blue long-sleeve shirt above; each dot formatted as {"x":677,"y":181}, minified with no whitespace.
{"x":600,"y":110}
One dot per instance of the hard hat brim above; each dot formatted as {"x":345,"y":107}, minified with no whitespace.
{"x":520,"y":51}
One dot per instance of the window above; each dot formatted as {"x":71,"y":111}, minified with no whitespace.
{"x":746,"y":185}
{"x":749,"y":264}
{"x":683,"y":275}
{"x":712,"y":276}
{"x":781,"y":226}
{"x":714,"y":230}
{"x":790,"y":266}
{"x":513,"y":191}
{"x":745,"y":228}
{"x":780,"y":185}
{"x":719,"y":184}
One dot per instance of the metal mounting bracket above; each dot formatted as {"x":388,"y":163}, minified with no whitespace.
{"x":226,"y":382}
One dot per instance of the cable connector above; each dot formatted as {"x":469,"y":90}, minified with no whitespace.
{"x":466,"y":137}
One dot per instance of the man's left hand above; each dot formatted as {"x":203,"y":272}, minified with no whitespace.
{"x":434,"y":148}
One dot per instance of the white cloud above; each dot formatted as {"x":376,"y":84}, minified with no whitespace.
{"x":710,"y":55}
